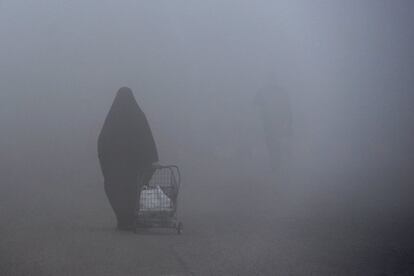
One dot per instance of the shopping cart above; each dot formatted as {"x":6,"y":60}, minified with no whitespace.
{"x":157,"y":196}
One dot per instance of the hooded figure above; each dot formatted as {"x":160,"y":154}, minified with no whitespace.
{"x":276,"y":115}
{"x":126,"y":148}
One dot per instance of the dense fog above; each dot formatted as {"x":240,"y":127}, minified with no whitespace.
{"x":340,"y":76}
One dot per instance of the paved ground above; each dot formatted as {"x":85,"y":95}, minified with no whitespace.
{"x":67,"y":235}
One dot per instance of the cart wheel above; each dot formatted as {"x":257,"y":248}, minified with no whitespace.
{"x":179,"y":228}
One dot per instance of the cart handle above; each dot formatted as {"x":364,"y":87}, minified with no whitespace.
{"x":173,"y":168}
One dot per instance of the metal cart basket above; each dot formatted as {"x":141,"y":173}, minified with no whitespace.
{"x":157,"y":196}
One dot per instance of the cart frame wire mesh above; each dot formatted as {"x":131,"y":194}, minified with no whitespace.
{"x":157,"y":198}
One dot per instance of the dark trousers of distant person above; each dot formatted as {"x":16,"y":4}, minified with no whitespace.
{"x":279,"y":155}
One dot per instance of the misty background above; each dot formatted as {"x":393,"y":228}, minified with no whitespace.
{"x":195,"y":68}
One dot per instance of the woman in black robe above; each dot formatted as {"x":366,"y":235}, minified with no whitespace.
{"x":126,"y":148}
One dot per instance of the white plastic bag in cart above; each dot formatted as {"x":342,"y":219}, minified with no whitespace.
{"x":154,"y":199}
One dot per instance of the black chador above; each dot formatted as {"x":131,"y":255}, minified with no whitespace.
{"x":126,"y":148}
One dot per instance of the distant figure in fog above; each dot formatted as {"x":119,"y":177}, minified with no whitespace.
{"x":276,"y":115}
{"x":126,"y":148}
